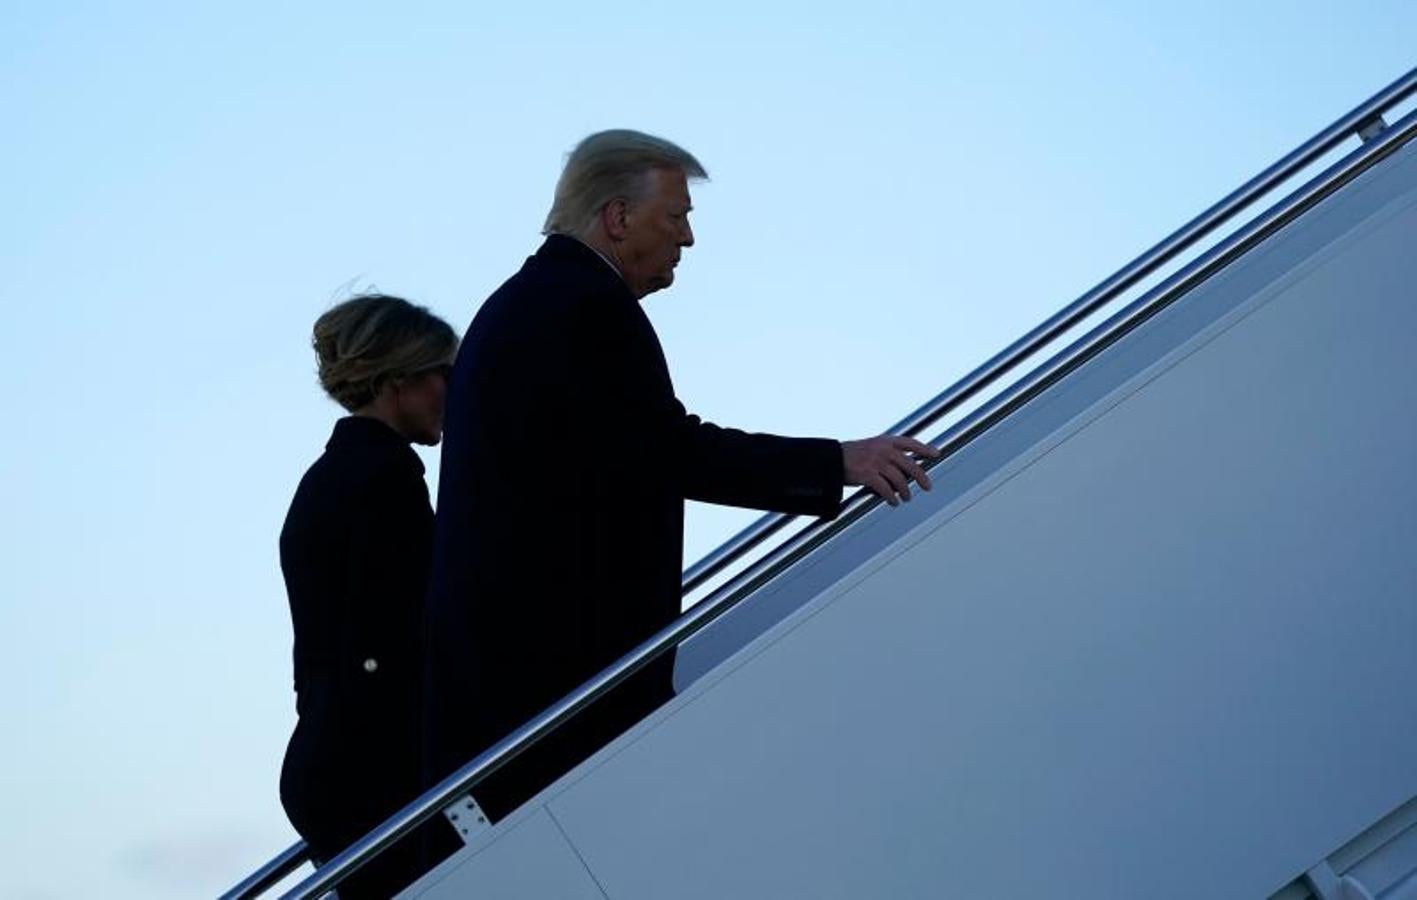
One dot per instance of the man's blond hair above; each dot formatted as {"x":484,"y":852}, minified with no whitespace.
{"x":610,"y":165}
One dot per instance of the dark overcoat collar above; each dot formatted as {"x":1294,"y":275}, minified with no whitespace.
{"x":560,"y":249}
{"x":366,"y":432}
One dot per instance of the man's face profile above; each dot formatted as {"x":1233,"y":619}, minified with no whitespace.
{"x":656,"y":228}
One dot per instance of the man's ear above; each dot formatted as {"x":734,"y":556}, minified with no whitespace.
{"x":615,"y":218}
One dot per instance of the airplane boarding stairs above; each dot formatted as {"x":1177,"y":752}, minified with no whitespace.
{"x":1152,"y":635}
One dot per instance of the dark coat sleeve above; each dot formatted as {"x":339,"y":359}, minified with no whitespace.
{"x":705,"y":461}
{"x":762,"y":471}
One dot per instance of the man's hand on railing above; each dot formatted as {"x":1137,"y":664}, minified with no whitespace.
{"x":886,"y":465}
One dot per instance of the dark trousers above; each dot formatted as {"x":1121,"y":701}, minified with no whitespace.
{"x":398,"y":866}
{"x":332,"y":806}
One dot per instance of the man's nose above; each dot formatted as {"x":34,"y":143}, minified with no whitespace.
{"x":687,"y":240}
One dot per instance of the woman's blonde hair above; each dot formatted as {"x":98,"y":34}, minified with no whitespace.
{"x":606,"y":166}
{"x":369,"y":340}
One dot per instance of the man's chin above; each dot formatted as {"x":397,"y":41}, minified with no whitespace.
{"x":658,"y":284}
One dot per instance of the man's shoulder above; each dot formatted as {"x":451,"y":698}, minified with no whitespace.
{"x":565,"y":268}
{"x":553,"y":286}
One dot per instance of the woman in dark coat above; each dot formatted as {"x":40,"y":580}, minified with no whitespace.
{"x":355,"y":552}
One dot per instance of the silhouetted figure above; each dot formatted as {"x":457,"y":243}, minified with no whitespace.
{"x":565,"y":469}
{"x":354,"y":551}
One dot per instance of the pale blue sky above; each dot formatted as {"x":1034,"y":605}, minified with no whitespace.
{"x":897,"y":193}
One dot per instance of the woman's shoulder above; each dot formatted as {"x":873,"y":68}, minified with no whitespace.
{"x":364,"y":459}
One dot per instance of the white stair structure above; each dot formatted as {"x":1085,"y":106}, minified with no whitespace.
{"x":1152,"y":635}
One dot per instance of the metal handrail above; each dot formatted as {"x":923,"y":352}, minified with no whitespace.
{"x":1014,"y":354}
{"x":728,"y":595}
{"x":269,"y":875}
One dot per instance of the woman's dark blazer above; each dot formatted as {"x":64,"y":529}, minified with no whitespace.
{"x":354,"y":552}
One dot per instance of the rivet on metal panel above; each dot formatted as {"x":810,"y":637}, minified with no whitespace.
{"x":466,"y":829}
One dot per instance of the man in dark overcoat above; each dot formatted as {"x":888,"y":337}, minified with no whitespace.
{"x":566,"y":463}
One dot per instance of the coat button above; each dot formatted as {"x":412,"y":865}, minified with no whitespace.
{"x":371,"y":665}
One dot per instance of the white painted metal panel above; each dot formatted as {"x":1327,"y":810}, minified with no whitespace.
{"x":526,"y":858}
